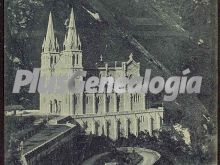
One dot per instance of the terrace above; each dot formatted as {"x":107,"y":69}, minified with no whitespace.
{"x":43,"y":136}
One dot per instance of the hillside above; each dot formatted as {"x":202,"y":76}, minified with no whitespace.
{"x":165,"y":36}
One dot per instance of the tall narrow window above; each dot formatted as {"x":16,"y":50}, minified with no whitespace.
{"x":51,"y":107}
{"x":161,"y":121}
{"x":118,"y":103}
{"x":75,"y":99}
{"x":87,"y":99}
{"x":73,"y":61}
{"x":152,"y":124}
{"x":51,"y":60}
{"x":77,"y":59}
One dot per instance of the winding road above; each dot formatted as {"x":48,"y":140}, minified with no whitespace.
{"x":149,"y":156}
{"x":93,"y":159}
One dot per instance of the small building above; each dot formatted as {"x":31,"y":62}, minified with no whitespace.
{"x":13,"y":109}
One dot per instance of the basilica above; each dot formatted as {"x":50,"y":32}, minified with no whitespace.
{"x":110,"y":114}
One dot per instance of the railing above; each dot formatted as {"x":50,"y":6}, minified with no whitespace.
{"x":151,"y":110}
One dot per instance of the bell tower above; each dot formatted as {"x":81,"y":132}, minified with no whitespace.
{"x":49,"y":57}
{"x":50,"y":48}
{"x":72,"y":46}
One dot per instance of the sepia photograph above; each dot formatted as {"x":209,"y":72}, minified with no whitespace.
{"x":110,"y":82}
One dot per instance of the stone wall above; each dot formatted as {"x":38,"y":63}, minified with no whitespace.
{"x":33,"y":156}
{"x":115,"y":125}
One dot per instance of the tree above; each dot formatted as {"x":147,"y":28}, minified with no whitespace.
{"x":14,"y":151}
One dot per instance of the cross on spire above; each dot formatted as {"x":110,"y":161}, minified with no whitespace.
{"x":101,"y":57}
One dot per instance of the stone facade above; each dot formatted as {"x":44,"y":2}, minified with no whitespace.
{"x":111,"y":114}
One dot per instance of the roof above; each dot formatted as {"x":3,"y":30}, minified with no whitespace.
{"x":43,"y":136}
{"x":14,"y":107}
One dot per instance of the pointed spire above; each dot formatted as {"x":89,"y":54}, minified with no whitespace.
{"x":50,"y":43}
{"x":72,"y":20}
{"x":57,"y":45}
{"x":78,"y":42}
{"x":64,"y":43}
{"x":70,"y":42}
{"x":50,"y":31}
{"x":43,"y":43}
{"x":131,"y":57}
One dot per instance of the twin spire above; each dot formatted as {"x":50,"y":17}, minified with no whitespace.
{"x":71,"y":41}
{"x":50,"y":43}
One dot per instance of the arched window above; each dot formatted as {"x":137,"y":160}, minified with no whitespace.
{"x":152,"y":123}
{"x":87,"y":99}
{"x":56,"y":105}
{"x":59,"y":107}
{"x":108,"y":128}
{"x":129,"y":126}
{"x":75,"y":99}
{"x":98,"y":99}
{"x":108,"y":98}
{"x":135,"y":97}
{"x":51,"y":60}
{"x":118,"y":103}
{"x":77,"y":59}
{"x":119,"y":128}
{"x":73,"y":60}
{"x":51,"y":106}
{"x":138,"y":125}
